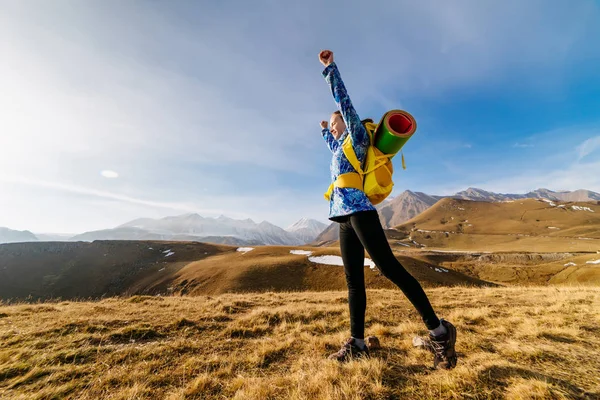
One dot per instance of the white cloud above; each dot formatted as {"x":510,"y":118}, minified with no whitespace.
{"x":109,"y":174}
{"x":571,"y":177}
{"x":21,"y":180}
{"x":588,"y":147}
{"x":80,"y":208}
{"x":522,"y":145}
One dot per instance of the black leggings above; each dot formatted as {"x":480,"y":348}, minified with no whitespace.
{"x":362,"y":231}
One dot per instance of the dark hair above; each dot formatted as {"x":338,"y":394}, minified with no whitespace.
{"x":364,"y":121}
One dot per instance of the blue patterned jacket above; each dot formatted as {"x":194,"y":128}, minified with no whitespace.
{"x":345,"y":201}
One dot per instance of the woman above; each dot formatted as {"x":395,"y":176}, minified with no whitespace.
{"x":360,"y":229}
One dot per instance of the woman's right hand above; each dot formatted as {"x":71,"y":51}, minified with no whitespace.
{"x":324,"y":124}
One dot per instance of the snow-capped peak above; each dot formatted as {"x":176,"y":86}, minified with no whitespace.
{"x":305,"y":223}
{"x":306,"y":229}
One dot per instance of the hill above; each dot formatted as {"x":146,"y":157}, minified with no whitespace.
{"x":108,"y":268}
{"x":12,"y":236}
{"x":523,"y":225}
{"x":276,"y":269}
{"x":54,"y":237}
{"x":518,"y":268}
{"x":513,"y":343}
{"x":137,"y":234}
{"x":404,"y":207}
{"x":90,"y":270}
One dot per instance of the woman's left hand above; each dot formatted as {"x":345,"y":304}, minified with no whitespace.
{"x":326,"y":57}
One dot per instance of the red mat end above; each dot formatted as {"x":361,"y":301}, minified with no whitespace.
{"x":400,"y":123}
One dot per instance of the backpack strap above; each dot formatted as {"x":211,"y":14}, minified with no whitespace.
{"x":370,"y":127}
{"x":351,"y":155}
{"x":347,"y":180}
{"x":350,"y":179}
{"x":379,"y":161}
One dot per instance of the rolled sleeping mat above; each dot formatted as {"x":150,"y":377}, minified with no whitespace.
{"x":394,"y":130}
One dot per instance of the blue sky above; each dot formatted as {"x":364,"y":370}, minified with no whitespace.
{"x":214,"y":107}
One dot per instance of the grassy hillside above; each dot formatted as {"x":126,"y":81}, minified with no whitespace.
{"x":514,"y":343}
{"x":273,"y":268}
{"x":109,"y":268}
{"x":523,"y":225}
{"x":82,"y":270}
{"x":521,"y":268}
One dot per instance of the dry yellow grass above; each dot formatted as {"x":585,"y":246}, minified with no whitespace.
{"x":514,"y":343}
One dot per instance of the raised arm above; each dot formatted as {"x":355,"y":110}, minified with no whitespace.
{"x":340,"y":95}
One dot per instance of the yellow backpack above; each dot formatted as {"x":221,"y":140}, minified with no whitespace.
{"x":376,"y":179}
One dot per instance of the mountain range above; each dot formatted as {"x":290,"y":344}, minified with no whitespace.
{"x":224,"y":230}
{"x":409,"y":204}
{"x":482,"y":195}
{"x":221,"y":230}
{"x":189,"y":227}
{"x":12,"y":236}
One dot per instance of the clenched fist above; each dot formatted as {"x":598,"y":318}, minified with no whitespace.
{"x":323,"y":124}
{"x":326,"y":57}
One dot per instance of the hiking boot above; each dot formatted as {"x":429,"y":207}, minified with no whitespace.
{"x":350,"y":351}
{"x":373,"y":343}
{"x":442,"y":346}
